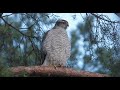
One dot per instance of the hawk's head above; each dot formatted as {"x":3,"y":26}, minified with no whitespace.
{"x":62,"y":23}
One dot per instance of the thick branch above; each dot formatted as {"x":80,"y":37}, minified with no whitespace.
{"x":54,"y":71}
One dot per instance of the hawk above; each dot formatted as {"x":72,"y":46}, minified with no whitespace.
{"x":56,"y":46}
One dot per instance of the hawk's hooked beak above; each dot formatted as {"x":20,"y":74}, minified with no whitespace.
{"x":67,"y":25}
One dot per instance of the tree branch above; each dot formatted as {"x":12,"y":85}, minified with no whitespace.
{"x":42,"y":71}
{"x":7,"y":15}
{"x":1,"y":15}
{"x":98,"y":16}
{"x":16,"y":28}
{"x":118,"y":14}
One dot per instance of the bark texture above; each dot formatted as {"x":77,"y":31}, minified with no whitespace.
{"x":44,"y":71}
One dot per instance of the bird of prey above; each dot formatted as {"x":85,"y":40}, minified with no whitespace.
{"x":56,"y":46}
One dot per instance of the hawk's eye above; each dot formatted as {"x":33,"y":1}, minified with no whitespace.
{"x":63,"y":20}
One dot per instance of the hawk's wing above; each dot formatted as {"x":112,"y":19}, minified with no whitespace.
{"x":45,"y":36}
{"x":43,"y":54}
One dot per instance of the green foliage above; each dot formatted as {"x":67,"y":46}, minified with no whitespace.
{"x":72,"y":62}
{"x":21,"y":37}
{"x":5,"y":72}
{"x":100,"y":56}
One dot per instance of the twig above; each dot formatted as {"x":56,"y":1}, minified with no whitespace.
{"x":16,"y":29}
{"x":97,"y":16}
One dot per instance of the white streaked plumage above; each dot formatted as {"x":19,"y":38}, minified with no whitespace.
{"x":56,"y":45}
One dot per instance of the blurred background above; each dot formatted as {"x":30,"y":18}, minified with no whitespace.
{"x":95,"y":40}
